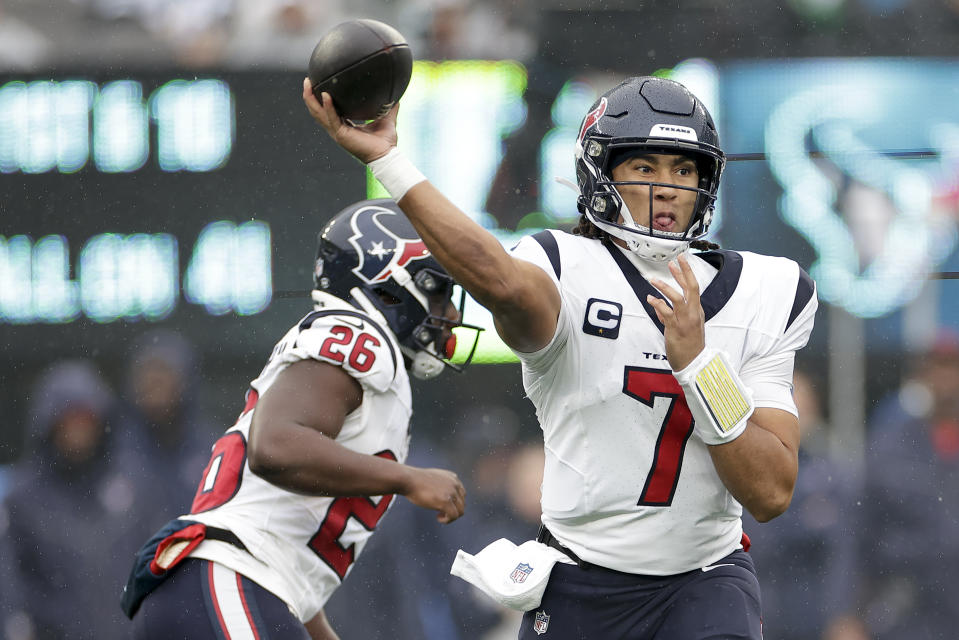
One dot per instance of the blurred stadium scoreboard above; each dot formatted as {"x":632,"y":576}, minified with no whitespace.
{"x":191,"y":202}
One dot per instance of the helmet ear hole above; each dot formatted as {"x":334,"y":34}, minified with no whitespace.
{"x":386,"y":296}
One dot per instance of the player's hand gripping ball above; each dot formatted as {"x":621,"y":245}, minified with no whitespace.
{"x":364,"y":65}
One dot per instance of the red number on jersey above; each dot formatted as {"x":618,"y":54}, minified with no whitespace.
{"x":326,"y":541}
{"x":222,"y":476}
{"x":345,"y":337}
{"x":361,"y":358}
{"x":645,"y":385}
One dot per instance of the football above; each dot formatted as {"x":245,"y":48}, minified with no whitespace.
{"x":365,"y":65}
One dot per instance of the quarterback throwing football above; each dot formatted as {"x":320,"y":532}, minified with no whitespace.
{"x":659,"y":365}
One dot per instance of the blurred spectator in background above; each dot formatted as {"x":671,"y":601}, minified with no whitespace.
{"x":469,"y":29}
{"x":191,"y":33}
{"x":281,"y":34}
{"x":69,"y":513}
{"x":5,"y":472}
{"x":166,"y":433}
{"x":269,"y":34}
{"x":805,"y":557}
{"x":910,"y":509}
{"x":14,"y":621}
{"x":196,"y":30}
{"x":22,"y":48}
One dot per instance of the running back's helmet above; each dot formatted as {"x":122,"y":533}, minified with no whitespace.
{"x":646,"y":115}
{"x":369,"y":254}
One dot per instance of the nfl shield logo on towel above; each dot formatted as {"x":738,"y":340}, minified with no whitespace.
{"x":521,"y":572}
{"x":542,"y":621}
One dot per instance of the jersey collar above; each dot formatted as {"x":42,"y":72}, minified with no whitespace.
{"x":729,"y":266}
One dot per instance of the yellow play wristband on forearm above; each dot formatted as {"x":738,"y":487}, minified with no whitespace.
{"x":719,"y":401}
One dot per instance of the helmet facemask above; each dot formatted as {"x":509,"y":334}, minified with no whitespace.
{"x":431,"y":343}
{"x":646,"y":115}
{"x":370,"y":254}
{"x":636,"y":228}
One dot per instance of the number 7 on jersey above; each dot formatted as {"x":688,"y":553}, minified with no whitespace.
{"x":645,"y":385}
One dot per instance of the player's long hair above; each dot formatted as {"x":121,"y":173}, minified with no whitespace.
{"x":587,"y":229}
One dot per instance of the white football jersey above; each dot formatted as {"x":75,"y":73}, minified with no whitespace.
{"x":302,"y":547}
{"x":627,"y":485}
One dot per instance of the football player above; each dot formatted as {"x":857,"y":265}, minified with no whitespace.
{"x":295,"y":488}
{"x":660,"y":374}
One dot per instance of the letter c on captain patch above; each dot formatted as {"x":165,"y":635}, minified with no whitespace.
{"x":602,"y":318}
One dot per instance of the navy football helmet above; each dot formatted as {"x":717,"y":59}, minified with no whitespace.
{"x":370,"y":255}
{"x":646,"y":115}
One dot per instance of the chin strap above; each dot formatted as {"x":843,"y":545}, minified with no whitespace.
{"x":426,"y":364}
{"x":638,"y":238}
{"x":361,"y":298}
{"x":403,"y":278}
{"x":643,"y":245}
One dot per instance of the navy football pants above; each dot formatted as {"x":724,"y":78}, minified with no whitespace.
{"x":601,"y":604}
{"x":201,"y":600}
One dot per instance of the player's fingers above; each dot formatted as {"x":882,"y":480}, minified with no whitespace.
{"x":450,"y":511}
{"x":332,"y":121}
{"x":660,"y":307}
{"x":329,"y":109}
{"x":671,"y":294}
{"x":458,"y":498}
{"x":689,"y":282}
{"x":309,"y":98}
{"x":460,"y":509}
{"x":677,"y":272}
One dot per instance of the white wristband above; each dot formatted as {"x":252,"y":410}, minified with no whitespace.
{"x":719,"y":401}
{"x":396,"y":173}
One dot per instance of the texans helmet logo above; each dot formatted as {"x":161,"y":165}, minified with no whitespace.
{"x":592,"y":118}
{"x":380,"y":250}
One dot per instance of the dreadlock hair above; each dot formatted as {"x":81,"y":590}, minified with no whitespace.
{"x":703,"y":245}
{"x":587,"y":229}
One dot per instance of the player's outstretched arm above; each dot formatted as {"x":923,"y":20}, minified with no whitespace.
{"x":292,"y":445}
{"x":522,"y":298}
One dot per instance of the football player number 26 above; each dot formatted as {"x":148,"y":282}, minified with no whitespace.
{"x":360,"y":358}
{"x":645,"y":385}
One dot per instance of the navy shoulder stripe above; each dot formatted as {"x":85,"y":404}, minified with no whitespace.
{"x":307,"y":322}
{"x":804,"y":291}
{"x":729,"y":266}
{"x":637,"y":283}
{"x":548,"y":242}
{"x":728,"y":263}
